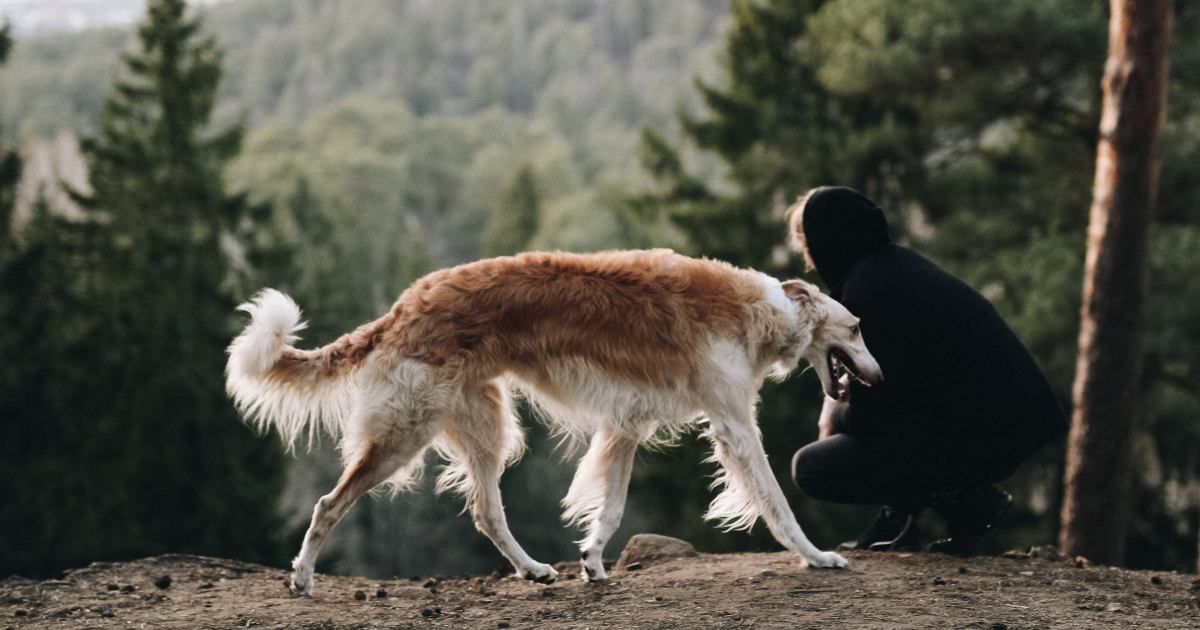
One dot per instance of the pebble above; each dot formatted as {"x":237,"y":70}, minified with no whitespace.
{"x":962,"y":570}
{"x":502,"y":624}
{"x":937,"y":581}
{"x":999,"y":626}
{"x":128,"y":588}
{"x":1154,"y":579}
{"x":112,"y":587}
{"x":359,"y":595}
{"x":163,"y":582}
{"x":20,"y":612}
{"x":381,"y":593}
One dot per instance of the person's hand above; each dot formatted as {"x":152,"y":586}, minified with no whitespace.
{"x":825,"y":426}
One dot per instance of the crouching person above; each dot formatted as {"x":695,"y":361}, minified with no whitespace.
{"x":962,"y":403}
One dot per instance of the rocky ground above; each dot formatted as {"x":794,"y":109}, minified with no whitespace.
{"x":891,"y":590}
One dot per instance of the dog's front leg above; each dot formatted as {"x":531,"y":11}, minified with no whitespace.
{"x":597,"y":496}
{"x":751,"y":489}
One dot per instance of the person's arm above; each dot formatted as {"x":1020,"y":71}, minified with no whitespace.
{"x":864,"y":410}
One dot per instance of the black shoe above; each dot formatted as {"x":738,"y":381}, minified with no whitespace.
{"x":970,"y":513}
{"x":894,"y":530}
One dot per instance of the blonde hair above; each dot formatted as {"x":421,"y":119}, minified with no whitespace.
{"x":795,"y":226}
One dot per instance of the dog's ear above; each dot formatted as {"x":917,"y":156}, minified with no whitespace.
{"x":799,"y":290}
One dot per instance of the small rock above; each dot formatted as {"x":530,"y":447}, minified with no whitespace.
{"x":767,"y":573}
{"x":1154,"y":579}
{"x":205,"y":585}
{"x":937,"y":581}
{"x":163,"y":582}
{"x":112,"y":587}
{"x":20,"y":612}
{"x":431,"y":613}
{"x":633,"y":566}
{"x":1048,"y":552}
{"x":1027,"y":573}
{"x":1016,"y":554}
{"x":381,"y":593}
{"x":107,"y":614}
{"x":1114,"y":607}
{"x":643,"y":549}
{"x":502,"y":624}
{"x":999,"y":626}
{"x":962,"y":570}
{"x":128,"y":588}
{"x":359,"y":595}
{"x":410,"y":592}
{"x":430,"y":583}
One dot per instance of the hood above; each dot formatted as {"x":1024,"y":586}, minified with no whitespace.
{"x":841,"y":227}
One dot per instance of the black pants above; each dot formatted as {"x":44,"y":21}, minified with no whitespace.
{"x":899,"y":471}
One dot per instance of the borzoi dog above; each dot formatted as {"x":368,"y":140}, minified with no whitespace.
{"x":615,"y":347}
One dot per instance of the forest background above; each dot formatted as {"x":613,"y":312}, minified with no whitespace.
{"x":337,"y":151}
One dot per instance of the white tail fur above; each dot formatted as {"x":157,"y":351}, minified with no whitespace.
{"x":295,"y":402}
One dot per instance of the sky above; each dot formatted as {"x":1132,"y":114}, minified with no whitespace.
{"x":35,"y":17}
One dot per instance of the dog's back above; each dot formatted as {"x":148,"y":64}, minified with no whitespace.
{"x":638,"y":315}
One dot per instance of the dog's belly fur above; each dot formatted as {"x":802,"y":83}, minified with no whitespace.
{"x":578,"y":398}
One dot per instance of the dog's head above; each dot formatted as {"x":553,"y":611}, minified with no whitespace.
{"x":837,"y":351}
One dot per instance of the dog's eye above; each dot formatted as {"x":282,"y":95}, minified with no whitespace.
{"x":854,"y":330}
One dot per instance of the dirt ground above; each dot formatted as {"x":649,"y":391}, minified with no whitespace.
{"x":892,"y":590}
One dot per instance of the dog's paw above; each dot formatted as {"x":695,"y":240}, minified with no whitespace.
{"x":827,"y":560}
{"x":302,"y":581}
{"x":593,"y":567}
{"x":540,"y":573}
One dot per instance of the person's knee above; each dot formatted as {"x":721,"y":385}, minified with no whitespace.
{"x":807,"y":472}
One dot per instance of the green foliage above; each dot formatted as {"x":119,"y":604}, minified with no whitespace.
{"x":120,"y":425}
{"x":10,"y":162}
{"x":513,"y":217}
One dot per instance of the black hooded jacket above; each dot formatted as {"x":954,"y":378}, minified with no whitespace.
{"x":953,"y":369}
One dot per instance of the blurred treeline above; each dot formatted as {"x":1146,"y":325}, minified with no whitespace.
{"x":385,"y":139}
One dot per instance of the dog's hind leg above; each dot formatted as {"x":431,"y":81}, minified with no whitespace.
{"x":750,"y":488}
{"x":480,"y":437}
{"x":375,"y":464}
{"x":597,"y":495}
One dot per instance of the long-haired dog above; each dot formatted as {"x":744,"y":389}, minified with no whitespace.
{"x":615,"y":347}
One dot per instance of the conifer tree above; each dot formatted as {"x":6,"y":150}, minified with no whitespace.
{"x":161,"y":461}
{"x":513,"y":218}
{"x":10,"y":162}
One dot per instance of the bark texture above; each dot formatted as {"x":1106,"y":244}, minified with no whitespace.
{"x":1108,"y":369}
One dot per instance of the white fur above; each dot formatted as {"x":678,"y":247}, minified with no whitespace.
{"x":388,"y":410}
{"x":290,"y":408}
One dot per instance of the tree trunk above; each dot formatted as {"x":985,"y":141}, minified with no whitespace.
{"x":1108,"y":369}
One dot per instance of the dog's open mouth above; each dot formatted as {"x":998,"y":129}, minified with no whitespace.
{"x":842,"y":369}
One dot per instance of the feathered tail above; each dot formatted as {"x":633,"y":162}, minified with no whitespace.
{"x":275,"y":385}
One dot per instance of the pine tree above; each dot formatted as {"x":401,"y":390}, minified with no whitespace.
{"x":160,"y":460}
{"x":1095,"y":514}
{"x":513,"y":218}
{"x":10,"y":162}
